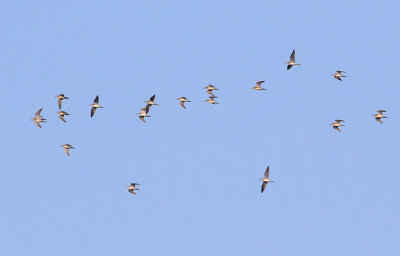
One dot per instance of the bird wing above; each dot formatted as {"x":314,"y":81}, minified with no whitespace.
{"x":266,"y":174}
{"x":263,"y":186}
{"x":379,"y":120}
{"x":96,"y":100}
{"x":289,"y":66}
{"x":340,"y":71}
{"x":182,"y":103}
{"x":293,"y":56}
{"x":92,"y":111}
{"x":212,"y":94}
{"x":259,"y":82}
{"x":152,"y":98}
{"x":142,"y":118}
{"x":38,"y":112}
{"x":338,"y":78}
{"x":62,"y":119}
{"x":37,"y":123}
{"x":338,"y":121}
{"x":380,"y":111}
{"x":147,"y":109}
{"x":66,"y":151}
{"x":336,"y":128}
{"x":59,"y":103}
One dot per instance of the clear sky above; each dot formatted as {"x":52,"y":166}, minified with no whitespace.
{"x":199,"y":169}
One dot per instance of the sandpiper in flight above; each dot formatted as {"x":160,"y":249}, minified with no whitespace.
{"x":151,"y":102}
{"x":38,"y":118}
{"x":143,"y":113}
{"x":258,"y":86}
{"x":339,"y":74}
{"x":132,"y":188}
{"x":379,"y":115}
{"x":211,"y":100}
{"x":62,"y":114}
{"x":61,"y":97}
{"x":95,"y":105}
{"x":292,"y":61}
{"x":182,"y":101}
{"x":66,"y":148}
{"x":265,"y":180}
{"x":337,"y":124}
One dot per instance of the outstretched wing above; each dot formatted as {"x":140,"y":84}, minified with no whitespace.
{"x":92,"y":112}
{"x":293,"y":56}
{"x":62,"y":119}
{"x":96,"y":100}
{"x":182,"y":103}
{"x":142,"y":118}
{"x":59,"y":103}
{"x":263,"y":186}
{"x":38,"y":112}
{"x":289,"y":67}
{"x":259,"y":82}
{"x":152,"y":98}
{"x":266,"y":174}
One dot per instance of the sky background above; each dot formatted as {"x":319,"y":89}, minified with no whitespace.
{"x":199,"y":168}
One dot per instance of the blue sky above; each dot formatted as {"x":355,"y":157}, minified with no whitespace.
{"x":199,"y":169}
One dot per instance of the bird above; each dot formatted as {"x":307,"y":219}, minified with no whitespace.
{"x":143,"y":113}
{"x":62,"y":114}
{"x":292,"y":61}
{"x":132,"y":188}
{"x":265,"y":180}
{"x":337,"y":124}
{"x":151,"y":102}
{"x":339,"y":74}
{"x":182,"y":101}
{"x":211,"y":87}
{"x":379,"y":116}
{"x":66,"y":148}
{"x":95,"y":106}
{"x":60,"y":97}
{"x":258,"y":86}
{"x":38,"y":118}
{"x":211,"y":100}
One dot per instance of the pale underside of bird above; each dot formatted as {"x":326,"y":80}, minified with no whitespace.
{"x":379,"y":115}
{"x":182,"y":101}
{"x":60,"y":97}
{"x":151,"y":102}
{"x":132,"y":188}
{"x":211,"y":100}
{"x":337,"y":124}
{"x":143,"y":113}
{"x":338,"y":75}
{"x":95,"y":106}
{"x":265,"y":180}
{"x":258,"y":86}
{"x":67,"y":147}
{"x":62,"y":114}
{"x":38,"y":118}
{"x":292,"y":61}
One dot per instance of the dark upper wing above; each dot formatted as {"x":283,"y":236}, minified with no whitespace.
{"x":92,"y":112}
{"x":182,"y":103}
{"x":289,"y":66}
{"x":266,"y":174}
{"x":259,"y":82}
{"x":148,"y":106}
{"x":292,"y":56}
{"x":96,"y":100}
{"x":38,"y":112}
{"x":62,"y":119}
{"x":263,"y":186}
{"x":59,"y":103}
{"x":152,"y":98}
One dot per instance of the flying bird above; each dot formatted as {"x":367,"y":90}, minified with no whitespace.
{"x":61,"y":97}
{"x":95,"y":106}
{"x":66,"y":148}
{"x":379,"y":116}
{"x":211,"y":100}
{"x":292,"y":61}
{"x":132,"y":188}
{"x":339,"y":74}
{"x":337,"y":124}
{"x":211,"y":87}
{"x":258,"y":86}
{"x":38,"y":118}
{"x":62,"y":114}
{"x":182,"y":101}
{"x":151,"y":102}
{"x":265,"y":180}
{"x":143,"y":113}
